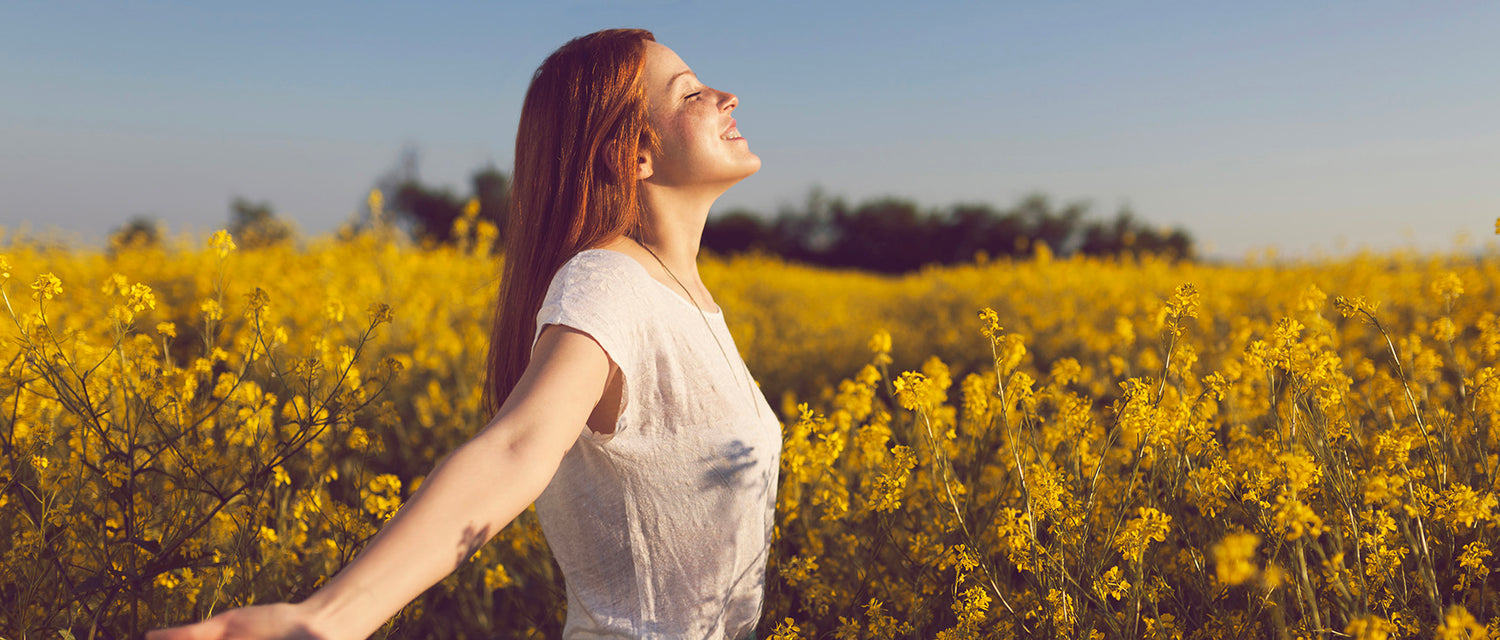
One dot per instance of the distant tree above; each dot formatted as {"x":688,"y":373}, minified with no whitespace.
{"x":429,"y":211}
{"x":892,"y":235}
{"x":254,"y":224}
{"x":889,"y":235}
{"x":405,"y":170}
{"x":1058,"y":228}
{"x":738,"y":231}
{"x":807,"y":234}
{"x":492,"y":188}
{"x":139,"y":232}
{"x":971,"y":229}
{"x":1125,"y":235}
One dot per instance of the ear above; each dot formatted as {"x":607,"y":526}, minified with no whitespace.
{"x":643,"y":161}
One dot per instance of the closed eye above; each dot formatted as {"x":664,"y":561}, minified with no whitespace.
{"x":690,"y":95}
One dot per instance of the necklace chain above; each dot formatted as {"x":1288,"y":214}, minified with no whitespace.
{"x":711,"y":332}
{"x":748,"y":383}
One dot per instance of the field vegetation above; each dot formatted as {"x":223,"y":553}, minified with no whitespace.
{"x":1080,"y":447}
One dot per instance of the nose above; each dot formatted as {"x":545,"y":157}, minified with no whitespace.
{"x":729,"y":101}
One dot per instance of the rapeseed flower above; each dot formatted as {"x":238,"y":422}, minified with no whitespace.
{"x":787,"y":630}
{"x":222,"y":243}
{"x":1085,"y":478}
{"x":46,"y":287}
{"x":1234,"y":558}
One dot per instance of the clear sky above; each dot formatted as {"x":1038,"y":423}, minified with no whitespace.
{"x":1304,"y":126}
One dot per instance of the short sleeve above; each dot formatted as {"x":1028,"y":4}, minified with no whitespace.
{"x":592,"y":293}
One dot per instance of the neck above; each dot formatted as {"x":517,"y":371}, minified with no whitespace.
{"x":673,"y":227}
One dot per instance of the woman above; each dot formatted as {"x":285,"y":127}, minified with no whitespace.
{"x":623,"y":409}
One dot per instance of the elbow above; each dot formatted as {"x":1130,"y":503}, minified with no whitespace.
{"x":537,"y":456}
{"x":532,"y":454}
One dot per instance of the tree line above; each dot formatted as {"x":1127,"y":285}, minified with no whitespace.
{"x":888,"y":235}
{"x":894,"y":235}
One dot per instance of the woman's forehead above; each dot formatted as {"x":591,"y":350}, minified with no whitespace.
{"x":663,"y":67}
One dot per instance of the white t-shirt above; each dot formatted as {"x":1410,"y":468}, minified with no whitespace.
{"x":662,"y":527}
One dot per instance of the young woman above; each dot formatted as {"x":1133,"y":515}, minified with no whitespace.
{"x":621,"y":405}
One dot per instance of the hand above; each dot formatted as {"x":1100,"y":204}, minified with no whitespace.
{"x":283,"y":621}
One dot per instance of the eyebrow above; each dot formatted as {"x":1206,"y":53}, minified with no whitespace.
{"x":677,"y":75}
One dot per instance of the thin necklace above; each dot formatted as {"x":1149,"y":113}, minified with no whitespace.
{"x":759,"y":607}
{"x":711,"y":331}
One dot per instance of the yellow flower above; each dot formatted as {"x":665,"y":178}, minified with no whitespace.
{"x":1234,"y":558}
{"x":167,"y":581}
{"x":890,"y":484}
{"x":379,"y":313}
{"x":1124,"y":330}
{"x":46,"y":287}
{"x":485,"y":234}
{"x":1474,"y":565}
{"x":971,"y":606}
{"x":1443,"y":329}
{"x":4,"y":268}
{"x":801,"y":569}
{"x":138,"y":298}
{"x":1296,"y":518}
{"x":787,"y":630}
{"x":880,"y":343}
{"x":1448,"y":286}
{"x":1066,"y":371}
{"x":1459,"y":624}
{"x":1370,"y":627}
{"x":1461,"y":506}
{"x":222,"y":243}
{"x":376,"y":200}
{"x":497,"y":577}
{"x":256,"y":302}
{"x":211,"y":309}
{"x":1141,"y":531}
{"x":382,"y":496}
{"x":1011,"y":350}
{"x":333,"y":310}
{"x":116,"y":283}
{"x":913,"y":391}
{"x":1350,"y":306}
{"x":991,"y":323}
{"x":1184,"y":302}
{"x":1111,"y":584}
{"x":1312,"y":299}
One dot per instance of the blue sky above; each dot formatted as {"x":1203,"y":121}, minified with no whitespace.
{"x":1302,"y":126}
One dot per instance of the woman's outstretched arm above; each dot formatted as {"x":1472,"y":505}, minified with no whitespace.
{"x":465,"y":501}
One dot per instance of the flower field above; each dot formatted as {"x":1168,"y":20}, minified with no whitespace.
{"x":1058,"y":448}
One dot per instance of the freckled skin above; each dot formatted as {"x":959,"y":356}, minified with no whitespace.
{"x":691,"y":119}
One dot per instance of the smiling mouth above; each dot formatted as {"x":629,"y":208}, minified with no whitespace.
{"x":733,"y":134}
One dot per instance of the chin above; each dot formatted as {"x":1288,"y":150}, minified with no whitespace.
{"x":751,"y":167}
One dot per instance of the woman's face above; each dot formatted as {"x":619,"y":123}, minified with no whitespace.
{"x":700,"y":144}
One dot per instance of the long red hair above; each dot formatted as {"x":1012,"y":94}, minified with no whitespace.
{"x":583,"y":125}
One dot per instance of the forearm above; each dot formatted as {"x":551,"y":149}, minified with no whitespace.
{"x":464,"y":502}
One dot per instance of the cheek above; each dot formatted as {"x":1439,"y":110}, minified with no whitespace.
{"x":678,"y":138}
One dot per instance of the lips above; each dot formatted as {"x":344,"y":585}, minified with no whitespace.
{"x":733,"y":132}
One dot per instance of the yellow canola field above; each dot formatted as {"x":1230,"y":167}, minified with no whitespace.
{"x":1062,"y":448}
